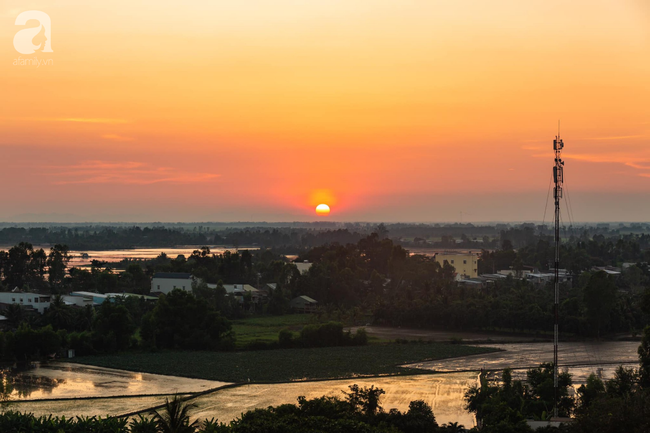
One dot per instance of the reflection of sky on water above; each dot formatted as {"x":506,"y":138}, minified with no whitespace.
{"x":443,"y":392}
{"x":112,"y":256}
{"x":578,"y":358}
{"x":66,"y":380}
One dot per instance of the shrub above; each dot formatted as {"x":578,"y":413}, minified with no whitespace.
{"x":323,"y":335}
{"x":285,"y":339}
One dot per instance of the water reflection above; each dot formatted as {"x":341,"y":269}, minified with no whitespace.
{"x":443,"y":392}
{"x":15,"y":384}
{"x":67,"y":380}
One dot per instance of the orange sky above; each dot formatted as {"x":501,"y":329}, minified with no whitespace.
{"x":400,"y":110}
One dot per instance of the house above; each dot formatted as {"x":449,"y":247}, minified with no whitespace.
{"x":609,"y":270}
{"x":236,"y":288}
{"x":125,"y":295}
{"x":77,"y":301}
{"x":89,"y":298}
{"x":165,"y":282}
{"x":34,"y":301}
{"x":304,"y":304}
{"x":269,"y":288}
{"x":514,"y":273}
{"x":465,"y":264}
{"x":303,"y":267}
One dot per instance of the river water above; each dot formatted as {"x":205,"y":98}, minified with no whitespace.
{"x":84,"y":258}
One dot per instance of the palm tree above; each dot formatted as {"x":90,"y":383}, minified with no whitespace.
{"x":454,"y":427}
{"x":15,"y":314}
{"x":58,"y":314}
{"x":175,"y":417}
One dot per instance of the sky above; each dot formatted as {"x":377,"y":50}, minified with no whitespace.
{"x":386,"y":110}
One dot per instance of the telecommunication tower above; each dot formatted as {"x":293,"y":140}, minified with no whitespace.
{"x":558,"y":178}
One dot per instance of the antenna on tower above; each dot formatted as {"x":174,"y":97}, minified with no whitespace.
{"x":558,"y":178}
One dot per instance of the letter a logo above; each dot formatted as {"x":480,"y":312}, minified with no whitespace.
{"x":23,"y":40}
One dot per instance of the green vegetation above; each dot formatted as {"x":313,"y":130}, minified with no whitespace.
{"x":285,"y":365}
{"x":267,"y":328}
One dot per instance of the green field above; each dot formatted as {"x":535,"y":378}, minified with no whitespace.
{"x":267,"y":328}
{"x":285,"y":365}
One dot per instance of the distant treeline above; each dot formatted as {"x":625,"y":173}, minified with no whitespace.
{"x":293,"y":238}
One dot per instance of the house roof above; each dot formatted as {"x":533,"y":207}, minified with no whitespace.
{"x":126,"y":295}
{"x":88,"y":294}
{"x":307,"y":299}
{"x":173,"y":275}
{"x":232,"y":288}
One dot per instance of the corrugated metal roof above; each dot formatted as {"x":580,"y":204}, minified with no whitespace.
{"x":173,"y":275}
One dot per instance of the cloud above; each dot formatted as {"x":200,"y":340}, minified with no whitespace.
{"x":127,"y":173}
{"x":636,"y":161}
{"x":92,"y":120}
{"x":615,"y":137}
{"x":115,"y":137}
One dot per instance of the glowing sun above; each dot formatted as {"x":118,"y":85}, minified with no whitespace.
{"x":322,"y":210}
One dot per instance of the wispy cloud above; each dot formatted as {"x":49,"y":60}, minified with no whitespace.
{"x":615,"y":137}
{"x":129,"y":173}
{"x":115,"y":137}
{"x":92,"y":120}
{"x":636,"y":161}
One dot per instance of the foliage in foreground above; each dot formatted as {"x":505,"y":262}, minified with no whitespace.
{"x":620,"y":404}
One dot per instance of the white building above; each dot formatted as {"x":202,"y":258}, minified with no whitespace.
{"x":165,"y":282}
{"x":38,"y":302}
{"x":303,"y":267}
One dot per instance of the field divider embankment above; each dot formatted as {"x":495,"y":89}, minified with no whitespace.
{"x":188,"y":397}
{"x":526,"y":367}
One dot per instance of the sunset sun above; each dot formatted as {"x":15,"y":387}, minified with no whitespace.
{"x":322,"y":210}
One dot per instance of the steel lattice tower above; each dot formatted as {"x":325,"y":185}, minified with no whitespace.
{"x":558,"y":177}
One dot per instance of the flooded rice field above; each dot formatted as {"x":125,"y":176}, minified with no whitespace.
{"x":444,"y":392}
{"x":58,"y":388}
{"x":63,"y":380}
{"x":581,"y":358}
{"x":79,"y":407}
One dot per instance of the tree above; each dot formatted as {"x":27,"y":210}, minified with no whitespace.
{"x":15,"y":314}
{"x":58,"y":314}
{"x":181,"y":321}
{"x":175,"y":417}
{"x":57,"y":262}
{"x":644,"y":360}
{"x":364,"y":400}
{"x":599,"y":297}
{"x":113,"y":327}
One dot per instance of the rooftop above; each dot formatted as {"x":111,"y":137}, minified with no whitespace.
{"x":173,"y":275}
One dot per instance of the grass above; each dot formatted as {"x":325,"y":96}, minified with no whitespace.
{"x":267,"y":328}
{"x":285,"y":365}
